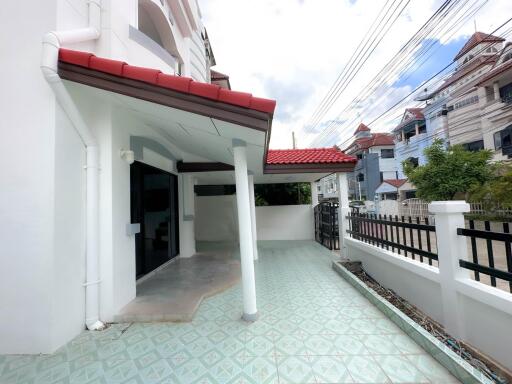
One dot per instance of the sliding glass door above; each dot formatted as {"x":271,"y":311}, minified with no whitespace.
{"x":154,"y":204}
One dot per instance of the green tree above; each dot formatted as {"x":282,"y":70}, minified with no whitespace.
{"x":449,"y":173}
{"x":496,"y":192}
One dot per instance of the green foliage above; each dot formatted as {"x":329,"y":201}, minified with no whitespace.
{"x":496,"y":193}
{"x":282,"y":194}
{"x":449,"y":173}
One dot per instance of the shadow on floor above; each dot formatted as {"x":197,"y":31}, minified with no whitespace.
{"x":175,"y":292}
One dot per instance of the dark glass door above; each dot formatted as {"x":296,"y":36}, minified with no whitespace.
{"x":154,"y":204}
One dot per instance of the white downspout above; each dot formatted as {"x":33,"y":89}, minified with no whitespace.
{"x":52,"y":41}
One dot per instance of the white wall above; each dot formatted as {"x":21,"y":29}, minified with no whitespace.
{"x":216,"y":220}
{"x":485,"y":312}
{"x":285,"y":222}
{"x":27,"y":216}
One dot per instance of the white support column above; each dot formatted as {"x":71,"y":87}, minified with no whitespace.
{"x":188,"y":241}
{"x":450,"y":249}
{"x":245,"y":232}
{"x":343,"y":210}
{"x":253,"y":216}
{"x":314,"y":194}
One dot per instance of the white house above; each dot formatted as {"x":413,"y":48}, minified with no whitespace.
{"x":97,"y":153}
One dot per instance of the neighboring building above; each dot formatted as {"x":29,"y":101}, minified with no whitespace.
{"x":456,"y":108}
{"x":376,"y":161}
{"x":220,"y":79}
{"x":389,"y":189}
{"x":411,"y":138}
{"x":495,"y":100}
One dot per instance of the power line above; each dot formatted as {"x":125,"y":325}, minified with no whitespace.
{"x":357,"y":65}
{"x":356,"y":101}
{"x":405,"y":49}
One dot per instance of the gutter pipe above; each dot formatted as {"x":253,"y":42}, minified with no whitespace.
{"x":52,"y":42}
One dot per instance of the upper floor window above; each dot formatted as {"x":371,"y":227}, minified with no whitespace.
{"x":414,"y":161}
{"x":506,"y":93}
{"x":497,"y":140}
{"x":474,"y":146}
{"x":359,"y":156}
{"x":387,"y":153}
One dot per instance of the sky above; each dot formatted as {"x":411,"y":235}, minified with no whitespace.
{"x":293,"y":51}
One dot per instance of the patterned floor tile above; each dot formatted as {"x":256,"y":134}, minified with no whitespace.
{"x":400,"y":370}
{"x":314,"y":328}
{"x":431,"y":369}
{"x":295,"y":369}
{"x":364,"y":369}
{"x":330,"y":369}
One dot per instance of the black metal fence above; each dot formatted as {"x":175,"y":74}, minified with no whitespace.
{"x":491,"y":253}
{"x":326,"y":225}
{"x":415,"y":238}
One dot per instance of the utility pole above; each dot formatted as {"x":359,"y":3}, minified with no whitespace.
{"x":293,"y":140}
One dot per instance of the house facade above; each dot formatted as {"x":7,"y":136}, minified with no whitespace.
{"x":471,"y":106}
{"x":109,"y":125}
{"x":411,"y":137}
{"x":376,"y":162}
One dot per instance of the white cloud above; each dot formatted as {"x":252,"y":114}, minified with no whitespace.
{"x":293,"y":51}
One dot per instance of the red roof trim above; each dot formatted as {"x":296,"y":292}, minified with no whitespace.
{"x":309,"y":156}
{"x":156,"y":77}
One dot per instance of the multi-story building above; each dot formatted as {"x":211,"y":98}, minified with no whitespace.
{"x":376,"y":161}
{"x":456,"y":110}
{"x":411,"y":137}
{"x":495,"y":101}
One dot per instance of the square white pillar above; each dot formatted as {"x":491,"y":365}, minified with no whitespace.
{"x":343,"y":210}
{"x":314,"y":194}
{"x":449,"y":215}
{"x":253,"y":216}
{"x":245,"y":231}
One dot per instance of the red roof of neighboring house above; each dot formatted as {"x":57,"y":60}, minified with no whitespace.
{"x":416,"y":112}
{"x":397,"y":183}
{"x":218,"y":76}
{"x":158,"y":78}
{"x":374,"y":140}
{"x":362,"y":128}
{"x":308,"y":156}
{"x":475,"y":39}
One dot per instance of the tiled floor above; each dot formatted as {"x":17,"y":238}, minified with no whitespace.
{"x":314,"y":328}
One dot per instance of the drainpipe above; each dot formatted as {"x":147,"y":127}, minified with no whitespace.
{"x":52,"y":41}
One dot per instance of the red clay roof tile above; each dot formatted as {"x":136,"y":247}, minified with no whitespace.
{"x":156,"y":77}
{"x":308,"y":156}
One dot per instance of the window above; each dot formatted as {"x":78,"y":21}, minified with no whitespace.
{"x":359,"y":156}
{"x":497,"y":140}
{"x":381,"y":177}
{"x":506,"y":140}
{"x":506,"y":93}
{"x":413,"y":161}
{"x":474,"y":146}
{"x":422,"y":129}
{"x":360,"y":177}
{"x":387,"y":153}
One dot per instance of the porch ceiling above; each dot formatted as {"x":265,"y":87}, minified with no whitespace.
{"x":202,"y":136}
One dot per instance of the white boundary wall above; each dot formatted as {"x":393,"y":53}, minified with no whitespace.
{"x":479,"y":314}
{"x":216,"y":220}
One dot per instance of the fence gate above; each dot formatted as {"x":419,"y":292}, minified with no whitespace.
{"x":326,"y":225}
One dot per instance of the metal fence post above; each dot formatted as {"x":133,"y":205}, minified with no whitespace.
{"x":449,"y":215}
